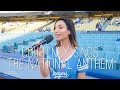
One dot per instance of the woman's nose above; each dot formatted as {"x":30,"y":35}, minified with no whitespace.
{"x":56,"y":30}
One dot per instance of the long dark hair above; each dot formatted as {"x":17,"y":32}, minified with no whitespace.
{"x":70,"y":26}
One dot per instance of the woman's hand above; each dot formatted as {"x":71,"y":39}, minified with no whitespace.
{"x":43,"y":65}
{"x":39,"y":50}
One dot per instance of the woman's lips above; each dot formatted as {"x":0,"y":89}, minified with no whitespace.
{"x":56,"y":35}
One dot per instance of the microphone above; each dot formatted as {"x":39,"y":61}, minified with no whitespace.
{"x":46,"y":40}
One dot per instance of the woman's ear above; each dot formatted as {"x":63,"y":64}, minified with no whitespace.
{"x":69,"y":32}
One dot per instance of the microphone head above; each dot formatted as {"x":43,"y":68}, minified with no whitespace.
{"x":48,"y":38}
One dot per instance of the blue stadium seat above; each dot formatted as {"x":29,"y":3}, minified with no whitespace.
{"x":4,"y":49}
{"x":25,"y":42}
{"x":16,"y":45}
{"x":32,"y":40}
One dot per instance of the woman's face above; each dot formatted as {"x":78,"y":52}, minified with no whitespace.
{"x":61,"y":32}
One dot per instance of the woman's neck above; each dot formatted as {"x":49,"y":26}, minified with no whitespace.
{"x":65,"y":43}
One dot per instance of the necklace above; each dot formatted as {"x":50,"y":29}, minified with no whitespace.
{"x":63,"y":63}
{"x":66,"y":51}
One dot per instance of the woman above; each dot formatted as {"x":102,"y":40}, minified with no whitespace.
{"x":65,"y":60}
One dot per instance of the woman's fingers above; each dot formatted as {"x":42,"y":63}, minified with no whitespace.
{"x":40,"y":51}
{"x":36,"y":43}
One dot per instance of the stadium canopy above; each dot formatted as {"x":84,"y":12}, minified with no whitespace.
{"x":30,"y":13}
{"x":62,"y":12}
{"x":69,"y":12}
{"x":22,"y":13}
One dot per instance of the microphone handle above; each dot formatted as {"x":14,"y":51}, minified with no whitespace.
{"x":35,"y":47}
{"x":31,"y":48}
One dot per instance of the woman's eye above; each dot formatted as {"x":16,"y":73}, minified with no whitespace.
{"x":60,"y":27}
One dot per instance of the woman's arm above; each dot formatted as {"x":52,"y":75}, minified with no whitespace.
{"x":43,"y":64}
{"x":82,"y":66}
{"x":44,"y":67}
{"x":82,"y":75}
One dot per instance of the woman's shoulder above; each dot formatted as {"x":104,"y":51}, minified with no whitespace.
{"x":52,"y":51}
{"x":80,"y":51}
{"x":52,"y":47}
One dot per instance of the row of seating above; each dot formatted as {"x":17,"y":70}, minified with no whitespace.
{"x":104,"y":44}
